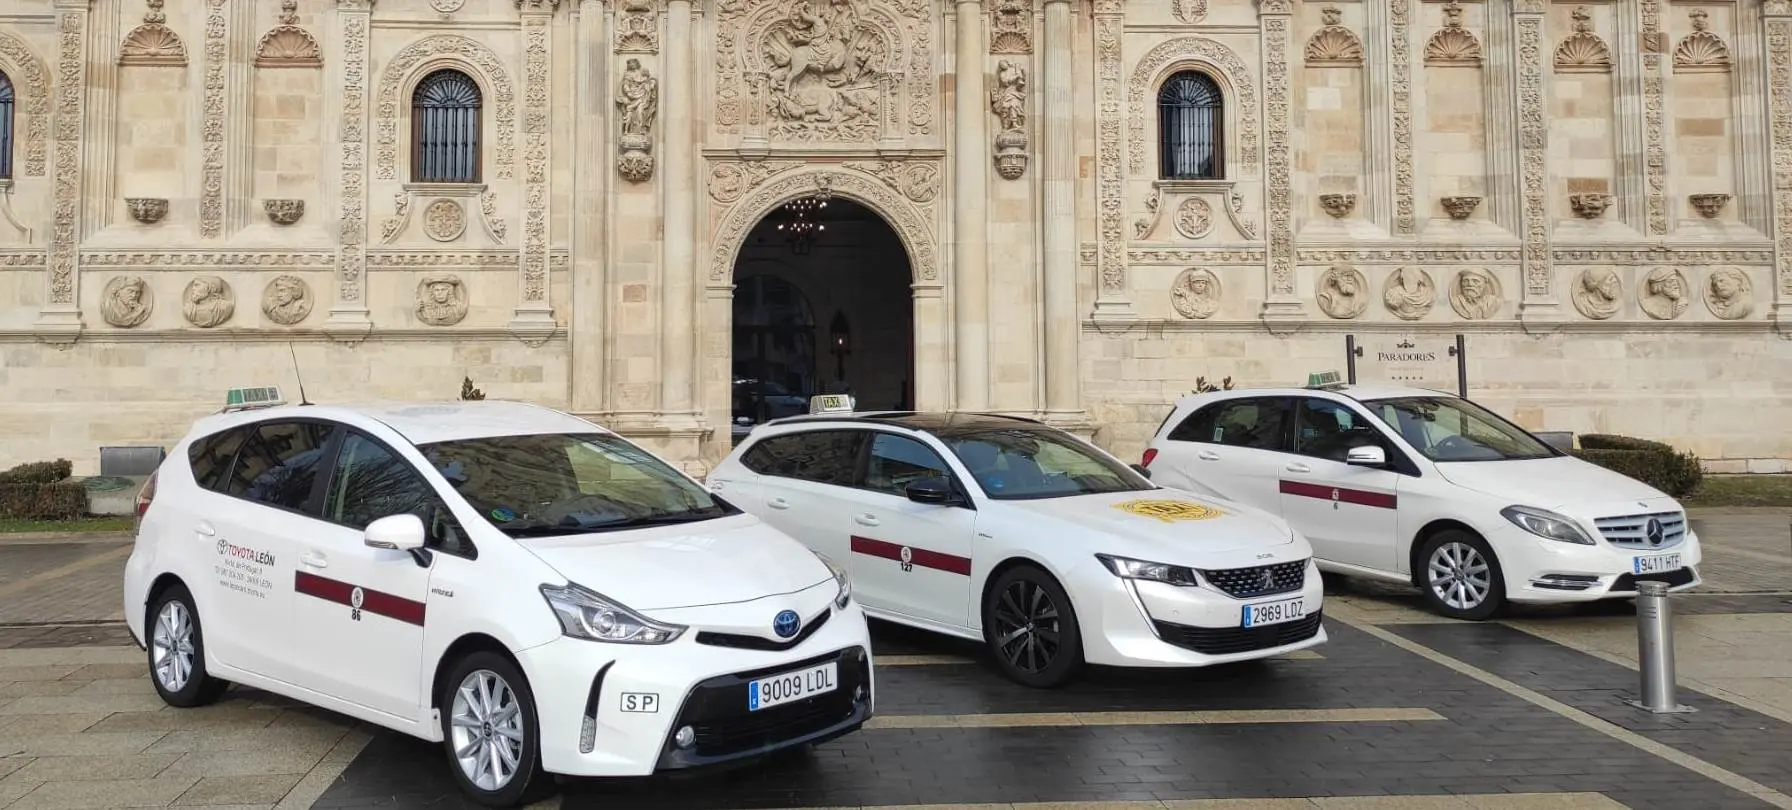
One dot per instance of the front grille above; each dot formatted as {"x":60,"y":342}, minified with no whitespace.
{"x":717,"y":708}
{"x":1633,"y":531}
{"x":1626,"y":583}
{"x":1231,"y":640}
{"x":1248,"y":583}
{"x":745,"y":642}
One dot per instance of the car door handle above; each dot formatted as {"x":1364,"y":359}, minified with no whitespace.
{"x":778,"y":503}
{"x":1298,"y":468}
{"x":866,"y":520}
{"x":314,"y":560}
{"x":205,"y":530}
{"x":1207,"y":455}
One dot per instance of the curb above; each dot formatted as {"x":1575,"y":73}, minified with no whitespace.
{"x":37,"y":538}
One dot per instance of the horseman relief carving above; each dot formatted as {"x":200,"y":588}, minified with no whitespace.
{"x":827,"y":64}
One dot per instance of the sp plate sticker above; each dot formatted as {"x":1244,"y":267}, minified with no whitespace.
{"x":641,"y":702}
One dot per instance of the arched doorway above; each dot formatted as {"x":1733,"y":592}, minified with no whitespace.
{"x":821,"y":304}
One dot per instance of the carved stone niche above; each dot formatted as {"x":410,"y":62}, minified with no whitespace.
{"x":283,"y":212}
{"x":1590,"y":205}
{"x":153,"y":44}
{"x":1453,"y":45}
{"x":1583,"y":51}
{"x":1334,"y":45}
{"x":1460,"y":208}
{"x":1338,"y":206}
{"x":1709,"y":205}
{"x":637,"y":102}
{"x":1701,"y":51}
{"x":1008,"y":100}
{"x":147,"y":210}
{"x":287,"y":45}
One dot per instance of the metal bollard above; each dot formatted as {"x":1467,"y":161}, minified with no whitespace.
{"x":1655,"y":650}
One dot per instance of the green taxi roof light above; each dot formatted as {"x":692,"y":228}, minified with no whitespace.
{"x":260,"y":396}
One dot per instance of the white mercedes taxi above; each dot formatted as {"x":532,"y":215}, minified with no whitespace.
{"x":1028,"y":539}
{"x":531,"y":590}
{"x":1423,"y":487}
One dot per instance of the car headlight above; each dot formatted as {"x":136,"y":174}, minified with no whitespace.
{"x":590,"y":615}
{"x":1546,"y":524}
{"x":1154,"y":571}
{"x":840,"y":578}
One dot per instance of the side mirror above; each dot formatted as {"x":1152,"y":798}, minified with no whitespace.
{"x":1142,"y":470}
{"x":396,"y":532}
{"x":1366,"y":456}
{"x":936,"y":490}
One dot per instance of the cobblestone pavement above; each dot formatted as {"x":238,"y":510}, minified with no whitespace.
{"x":1401,"y":709}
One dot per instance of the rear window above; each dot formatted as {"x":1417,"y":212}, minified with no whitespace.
{"x":209,"y":456}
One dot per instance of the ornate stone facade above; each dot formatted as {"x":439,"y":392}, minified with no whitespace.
{"x":1598,"y":196}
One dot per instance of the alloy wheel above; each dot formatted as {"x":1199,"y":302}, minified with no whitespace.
{"x":1027,"y":626}
{"x":171,"y":646}
{"x":487,"y":730}
{"x":1459,"y":575}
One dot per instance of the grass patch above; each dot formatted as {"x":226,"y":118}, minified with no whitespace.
{"x":1744,"y":490}
{"x":91,"y":524}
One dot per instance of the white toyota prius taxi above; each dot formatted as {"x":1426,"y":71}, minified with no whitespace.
{"x":1423,"y":487}
{"x":531,"y":590}
{"x":1020,"y":535}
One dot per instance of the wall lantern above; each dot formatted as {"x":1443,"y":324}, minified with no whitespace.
{"x":840,"y":341}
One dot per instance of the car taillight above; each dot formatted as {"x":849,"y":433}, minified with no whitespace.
{"x":1150,"y":453}
{"x":144,"y":496}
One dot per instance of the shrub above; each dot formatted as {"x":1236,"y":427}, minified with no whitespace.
{"x":63,"y":500}
{"x":38,"y":472}
{"x":1654,"y":463}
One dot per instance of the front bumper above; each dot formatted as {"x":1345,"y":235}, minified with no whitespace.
{"x":1133,"y":623}
{"x":615,"y":710}
{"x":1550,"y":571}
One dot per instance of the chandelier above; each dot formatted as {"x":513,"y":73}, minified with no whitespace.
{"x":800,"y":225}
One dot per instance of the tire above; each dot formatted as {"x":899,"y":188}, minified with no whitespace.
{"x":1479,"y":594}
{"x":176,"y":649}
{"x":1039,"y":600}
{"x":463,"y":696}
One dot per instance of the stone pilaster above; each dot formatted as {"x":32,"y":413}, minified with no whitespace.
{"x":1376,"y":196}
{"x":1652,"y":84}
{"x":348,"y":313}
{"x":1499,"y":80}
{"x":241,"y":209}
{"x":678,"y":190}
{"x":213,"y":129}
{"x":99,"y":168}
{"x":1629,"y":185}
{"x":1283,"y":303}
{"x":1754,"y":204}
{"x":1539,"y":303}
{"x":1777,"y":15}
{"x":1112,"y":303}
{"x":1404,"y":221}
{"x":590,"y":371}
{"x":533,"y":321}
{"x":59,"y":321}
{"x":970,"y":174}
{"x":1057,"y":135}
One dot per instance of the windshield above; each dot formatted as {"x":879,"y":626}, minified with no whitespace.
{"x":558,"y":483}
{"x":1027,"y":463}
{"x":1450,"y":429}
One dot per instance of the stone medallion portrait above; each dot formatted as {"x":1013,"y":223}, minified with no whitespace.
{"x":441,"y":300}
{"x":1664,"y":294}
{"x":208,"y":302}
{"x":1729,"y":294}
{"x":1195,"y":293}
{"x":1341,"y":289}
{"x":1596,"y":293}
{"x":1475,"y":295}
{"x":286,"y":301}
{"x":126,"y":302}
{"x":1409,"y":293}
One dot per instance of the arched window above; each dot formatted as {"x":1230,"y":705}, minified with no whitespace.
{"x":6,"y":119}
{"x":445,"y":129}
{"x":1191,"y":117}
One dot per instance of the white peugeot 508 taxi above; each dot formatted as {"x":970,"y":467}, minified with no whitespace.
{"x":1024,"y":537}
{"x":532,"y":590}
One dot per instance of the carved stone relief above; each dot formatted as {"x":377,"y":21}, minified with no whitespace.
{"x":441,"y":300}
{"x":1409,"y":293}
{"x":1008,"y":100}
{"x":536,"y":72}
{"x":1729,"y":294}
{"x":1597,"y":291}
{"x":1195,"y":293}
{"x":1334,"y":45}
{"x":1194,"y":218}
{"x":1337,"y":206}
{"x":208,"y":302}
{"x":1110,"y":179}
{"x":1655,"y":152}
{"x":1708,"y":205}
{"x":153,"y":43}
{"x":730,"y":180}
{"x":1192,"y":12}
{"x":1779,"y":75}
{"x":126,"y":302}
{"x":1453,"y":45}
{"x":1341,"y":290}
{"x":211,"y":128}
{"x":1278,"y":42}
{"x":31,"y":89}
{"x":1011,"y":27}
{"x":638,"y":100}
{"x":1590,"y":205}
{"x":1147,"y":222}
{"x":1663,"y":295}
{"x":1400,"y":72}
{"x":637,"y":27}
{"x":69,"y":124}
{"x":287,"y":45}
{"x":1702,"y":51}
{"x":778,"y":187}
{"x":481,"y":63}
{"x":351,"y":257}
{"x":1583,"y":51}
{"x":446,"y":8}
{"x":444,"y":220}
{"x":286,"y":300}
{"x":147,"y":210}
{"x":1475,"y":295}
{"x":1460,"y":208}
{"x":1224,"y":62}
{"x":917,"y":180}
{"x":283,"y":211}
{"x":1533,"y":157}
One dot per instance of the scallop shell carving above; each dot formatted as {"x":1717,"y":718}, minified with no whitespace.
{"x":1583,"y":52}
{"x":1453,"y":47}
{"x":1334,"y":45}
{"x":1701,"y":52}
{"x":288,"y":46}
{"x":152,"y":44}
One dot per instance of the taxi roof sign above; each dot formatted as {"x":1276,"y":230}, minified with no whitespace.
{"x":831,"y":403}
{"x":262,"y":396}
{"x":1325,"y":379}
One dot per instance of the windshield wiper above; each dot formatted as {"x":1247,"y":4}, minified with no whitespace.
{"x":627,"y":523}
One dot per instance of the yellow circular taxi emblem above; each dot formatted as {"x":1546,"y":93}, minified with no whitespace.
{"x":1170,"y":511}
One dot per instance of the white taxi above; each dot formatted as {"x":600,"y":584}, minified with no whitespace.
{"x":1024,"y":537}
{"x":531,"y":590}
{"x":1423,"y":487}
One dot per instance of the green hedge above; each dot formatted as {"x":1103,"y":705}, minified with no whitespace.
{"x":41,"y":490}
{"x":1654,"y":463}
{"x":38,"y":472}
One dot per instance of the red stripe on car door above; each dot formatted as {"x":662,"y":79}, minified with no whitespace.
{"x":372,"y":601}
{"x":1361,"y":497}
{"x":938,"y":561}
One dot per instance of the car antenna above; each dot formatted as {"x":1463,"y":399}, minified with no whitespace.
{"x":295,"y":373}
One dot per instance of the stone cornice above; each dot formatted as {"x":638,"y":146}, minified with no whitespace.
{"x":280,"y":335}
{"x":1502,"y":328}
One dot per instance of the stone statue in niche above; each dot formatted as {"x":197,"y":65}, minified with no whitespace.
{"x":1596,"y":293}
{"x":1729,"y":294}
{"x":1663,"y":295}
{"x":441,"y":300}
{"x":126,"y":302}
{"x":1008,"y":100}
{"x":638,"y":98}
{"x":1341,"y":292}
{"x":1409,"y":293}
{"x":1195,"y":293}
{"x":286,"y":301}
{"x":208,"y":302}
{"x":1475,"y":295}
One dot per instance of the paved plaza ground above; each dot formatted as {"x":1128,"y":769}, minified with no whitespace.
{"x":1401,"y":709}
